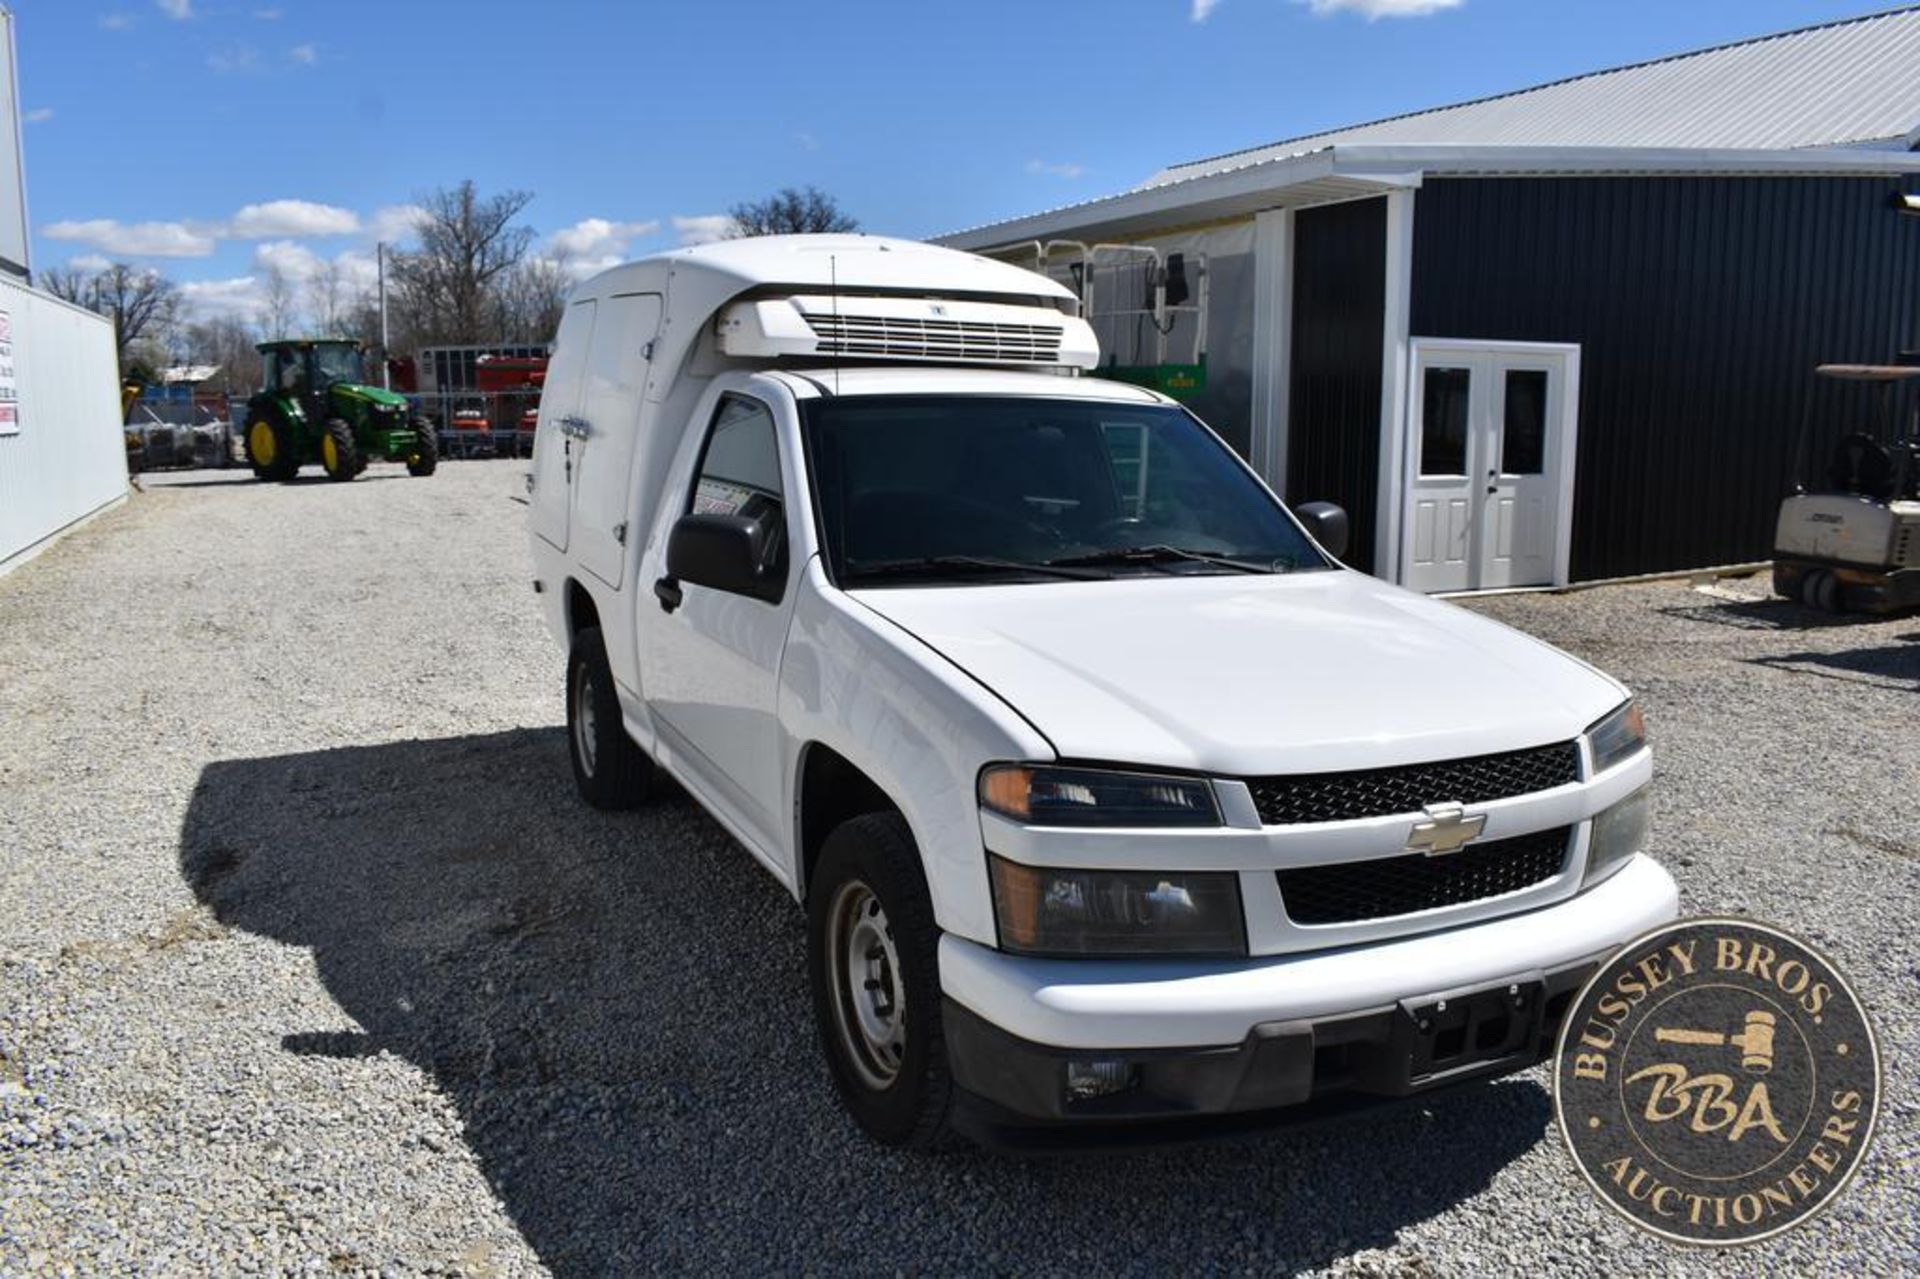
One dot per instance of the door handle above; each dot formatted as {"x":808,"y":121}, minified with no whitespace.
{"x":668,"y":592}
{"x":574,"y":427}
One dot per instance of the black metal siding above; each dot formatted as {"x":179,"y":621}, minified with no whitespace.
{"x":1339,"y":310}
{"x":1701,"y":306}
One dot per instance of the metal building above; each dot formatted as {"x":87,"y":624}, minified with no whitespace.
{"x":1558,"y":335}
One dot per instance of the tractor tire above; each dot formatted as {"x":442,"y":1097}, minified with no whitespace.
{"x":425,"y":458}
{"x":270,"y":449}
{"x":339,"y":453}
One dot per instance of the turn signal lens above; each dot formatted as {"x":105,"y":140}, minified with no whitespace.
{"x":1618,"y":833}
{"x":1086,"y":913}
{"x":1618,"y":736}
{"x":1045,"y":795}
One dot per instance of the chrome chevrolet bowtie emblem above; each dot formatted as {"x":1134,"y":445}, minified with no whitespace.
{"x":1447,"y":829}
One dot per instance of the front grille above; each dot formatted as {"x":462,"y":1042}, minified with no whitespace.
{"x":908,"y":337}
{"x":1353,"y":891}
{"x":1382,"y":792}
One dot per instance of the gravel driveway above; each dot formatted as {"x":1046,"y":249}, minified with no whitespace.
{"x":311,"y":961}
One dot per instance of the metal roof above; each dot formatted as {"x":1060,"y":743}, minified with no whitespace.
{"x":1854,"y":82}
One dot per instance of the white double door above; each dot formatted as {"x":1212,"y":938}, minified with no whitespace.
{"x":1489,"y":464}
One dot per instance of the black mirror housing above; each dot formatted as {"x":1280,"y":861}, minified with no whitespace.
{"x":1327,"y":524}
{"x":733,"y":553}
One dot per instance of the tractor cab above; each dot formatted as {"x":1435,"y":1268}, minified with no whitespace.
{"x":1849,"y":535}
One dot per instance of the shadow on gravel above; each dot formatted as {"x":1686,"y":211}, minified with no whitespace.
{"x":1888,"y":666}
{"x":617,"y":1007}
{"x":1766,"y":615}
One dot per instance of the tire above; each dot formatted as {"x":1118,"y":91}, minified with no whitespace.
{"x":1786,"y":581}
{"x":900,"y":1092}
{"x":270,"y":449}
{"x":611,"y":772}
{"x":425,"y":457}
{"x":339,"y":453}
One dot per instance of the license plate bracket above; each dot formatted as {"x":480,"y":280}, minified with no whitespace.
{"x":1443,"y":1037}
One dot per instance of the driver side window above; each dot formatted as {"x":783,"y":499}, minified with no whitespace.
{"x":739,"y":474}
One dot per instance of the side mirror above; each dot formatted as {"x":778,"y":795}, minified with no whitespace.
{"x":1327,"y":524}
{"x":733,"y":553}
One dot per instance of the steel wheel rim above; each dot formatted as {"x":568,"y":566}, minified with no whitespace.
{"x":585,"y":743}
{"x":330,"y":452}
{"x":869,"y":999}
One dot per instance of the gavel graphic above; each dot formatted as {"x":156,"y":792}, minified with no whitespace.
{"x":1755,"y":1042}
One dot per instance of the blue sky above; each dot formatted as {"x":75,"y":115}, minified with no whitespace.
{"x":214,"y":138}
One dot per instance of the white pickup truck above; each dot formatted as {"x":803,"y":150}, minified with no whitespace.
{"x":1114,"y":800}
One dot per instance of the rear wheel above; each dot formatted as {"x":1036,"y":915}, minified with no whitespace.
{"x":611,"y":771}
{"x":271,"y":450}
{"x":425,"y":455}
{"x":339,"y":454}
{"x":872,"y":957}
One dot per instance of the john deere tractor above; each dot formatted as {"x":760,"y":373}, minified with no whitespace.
{"x":317,"y":407}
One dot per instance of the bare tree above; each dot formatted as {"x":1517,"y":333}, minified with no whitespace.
{"x":279,"y":304}
{"x":327,"y":298}
{"x":791,"y":212}
{"x":532,"y":297}
{"x":142,"y":303}
{"x":448,"y":289}
{"x":228,"y":343}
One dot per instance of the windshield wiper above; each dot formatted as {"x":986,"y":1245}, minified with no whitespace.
{"x":1161,"y":554}
{"x":933,"y":564}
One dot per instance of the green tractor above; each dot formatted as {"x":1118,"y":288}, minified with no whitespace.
{"x":317,"y":407}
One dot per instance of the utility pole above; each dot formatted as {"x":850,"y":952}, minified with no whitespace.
{"x":386,"y":363}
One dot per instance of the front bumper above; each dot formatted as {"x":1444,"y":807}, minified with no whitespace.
{"x":1223,"y":1037}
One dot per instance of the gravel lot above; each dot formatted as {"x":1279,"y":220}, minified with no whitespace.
{"x":311,"y":961}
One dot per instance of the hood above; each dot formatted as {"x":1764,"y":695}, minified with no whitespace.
{"x":374,"y":395}
{"x":1251,"y":675}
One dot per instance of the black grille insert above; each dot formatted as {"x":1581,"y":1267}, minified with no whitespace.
{"x":1352,"y":891}
{"x":1382,"y":792}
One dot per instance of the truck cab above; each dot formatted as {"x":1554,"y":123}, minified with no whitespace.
{"x":1113,"y":800}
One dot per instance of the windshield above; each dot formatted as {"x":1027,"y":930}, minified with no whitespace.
{"x":336,"y":364}
{"x":918,"y":488}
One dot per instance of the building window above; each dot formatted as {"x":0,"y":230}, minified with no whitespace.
{"x":1443,"y":421}
{"x":1524,"y":436}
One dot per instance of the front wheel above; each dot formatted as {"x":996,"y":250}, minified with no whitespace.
{"x":872,"y":955}
{"x":425,"y":454}
{"x":610,"y":770}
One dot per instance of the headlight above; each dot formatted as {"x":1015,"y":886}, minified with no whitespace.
{"x":1087,"y":913}
{"x":1040,"y":795}
{"x":1618,"y":833}
{"x":1617,"y":736}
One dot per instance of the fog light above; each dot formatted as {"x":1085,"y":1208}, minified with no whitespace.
{"x":1089,"y":1079}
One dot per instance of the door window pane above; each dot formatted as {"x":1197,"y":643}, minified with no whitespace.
{"x":1443,"y":421}
{"x":1524,"y":442}
{"x":740,"y":472}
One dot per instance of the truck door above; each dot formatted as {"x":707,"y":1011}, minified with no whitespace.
{"x":710,"y":660}
{"x":607,"y":429}
{"x":553,"y":440}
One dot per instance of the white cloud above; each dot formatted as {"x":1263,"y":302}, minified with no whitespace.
{"x":1055,"y":169}
{"x":38,"y":114}
{"x":115,"y":21}
{"x":295,"y":261}
{"x":178,"y":10}
{"x":1374,"y":10}
{"x":807,"y":141}
{"x":1202,"y":10}
{"x":91,"y":263}
{"x":599,"y":237}
{"x":269,"y":15}
{"x":136,"y":239}
{"x":291,"y":217}
{"x":239,"y":298}
{"x":305,"y":54}
{"x":395,"y":222}
{"x":234,"y":60}
{"x":703,"y":228}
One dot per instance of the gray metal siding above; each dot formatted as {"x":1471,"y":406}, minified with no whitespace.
{"x":1701,"y":306}
{"x":69,"y":458}
{"x":1339,"y":311}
